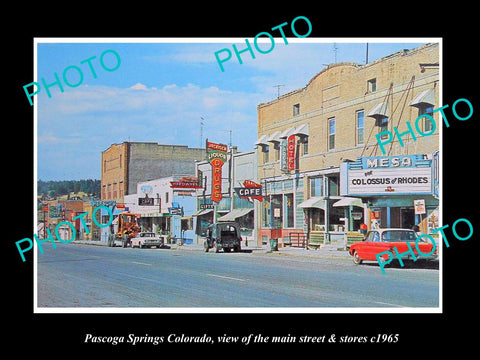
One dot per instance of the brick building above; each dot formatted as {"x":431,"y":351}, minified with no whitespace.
{"x":304,"y":137}
{"x":125,"y":165}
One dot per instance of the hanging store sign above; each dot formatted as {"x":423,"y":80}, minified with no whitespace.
{"x":96,"y":203}
{"x":146,"y":201}
{"x":175,"y":211}
{"x":389,"y":175}
{"x":251,"y":190}
{"x":419,"y":206}
{"x":291,"y":153}
{"x":186,"y":183}
{"x":216,"y":156}
{"x":283,"y":155}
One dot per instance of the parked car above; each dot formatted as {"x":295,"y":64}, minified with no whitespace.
{"x":379,"y":240}
{"x":148,"y":239}
{"x":223,"y":236}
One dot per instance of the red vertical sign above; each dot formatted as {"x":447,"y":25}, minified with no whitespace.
{"x":291,"y":153}
{"x":216,"y":179}
{"x":217,"y":155}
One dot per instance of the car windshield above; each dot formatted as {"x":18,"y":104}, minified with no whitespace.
{"x":398,"y":235}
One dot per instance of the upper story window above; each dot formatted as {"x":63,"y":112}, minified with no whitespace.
{"x":428,"y":125}
{"x":383,"y":127}
{"x":360,"y":126}
{"x":296,"y":109}
{"x":372,"y":85}
{"x":331,"y":133}
{"x":265,"y":151}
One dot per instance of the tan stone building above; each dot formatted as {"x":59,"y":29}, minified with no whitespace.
{"x":304,"y":137}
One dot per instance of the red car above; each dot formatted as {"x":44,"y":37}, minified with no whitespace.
{"x":379,"y":240}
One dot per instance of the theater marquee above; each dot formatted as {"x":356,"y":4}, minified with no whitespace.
{"x":387,"y":175}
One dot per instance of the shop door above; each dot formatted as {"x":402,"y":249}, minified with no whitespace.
{"x":395,"y":221}
{"x":407,"y":217}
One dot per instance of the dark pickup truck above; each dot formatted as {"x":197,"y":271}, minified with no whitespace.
{"x":223,"y":236}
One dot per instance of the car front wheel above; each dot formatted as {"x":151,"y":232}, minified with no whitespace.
{"x":356,"y":258}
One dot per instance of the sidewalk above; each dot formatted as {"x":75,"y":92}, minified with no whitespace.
{"x":325,"y":253}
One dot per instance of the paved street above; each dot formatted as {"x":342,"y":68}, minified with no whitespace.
{"x":75,"y":275}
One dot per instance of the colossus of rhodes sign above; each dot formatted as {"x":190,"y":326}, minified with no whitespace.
{"x":388,"y":175}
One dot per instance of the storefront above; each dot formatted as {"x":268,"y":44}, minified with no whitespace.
{"x":390,"y":185}
{"x":279,"y":216}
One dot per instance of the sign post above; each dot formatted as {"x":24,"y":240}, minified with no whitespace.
{"x":420,"y":209}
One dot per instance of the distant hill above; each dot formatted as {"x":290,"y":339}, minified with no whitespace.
{"x":57,"y":188}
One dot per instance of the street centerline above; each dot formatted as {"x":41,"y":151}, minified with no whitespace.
{"x":141,"y":263}
{"x":226,"y":277}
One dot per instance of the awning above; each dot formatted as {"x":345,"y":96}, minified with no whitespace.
{"x":202,"y":212}
{"x":425,"y":98}
{"x":314,"y":202}
{"x":347,"y":201}
{"x":287,"y":133}
{"x":262,"y":140}
{"x":151,"y":215}
{"x":234,"y":214}
{"x":379,"y":111}
{"x":302,"y":130}
{"x":275,"y":137}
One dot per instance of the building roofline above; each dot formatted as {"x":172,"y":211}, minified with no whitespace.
{"x":403,"y":52}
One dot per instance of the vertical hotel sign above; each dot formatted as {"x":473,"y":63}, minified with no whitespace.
{"x":291,"y":152}
{"x":216,"y":156}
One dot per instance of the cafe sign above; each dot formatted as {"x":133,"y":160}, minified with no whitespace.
{"x":250,"y":190}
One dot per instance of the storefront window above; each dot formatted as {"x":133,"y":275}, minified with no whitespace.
{"x":277,"y":213}
{"x":266,"y":212}
{"x":317,"y":217}
{"x":289,"y":211}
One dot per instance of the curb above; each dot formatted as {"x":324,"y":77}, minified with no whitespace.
{"x":292,"y":252}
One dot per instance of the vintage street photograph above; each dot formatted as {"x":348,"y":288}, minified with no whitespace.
{"x":280,"y":173}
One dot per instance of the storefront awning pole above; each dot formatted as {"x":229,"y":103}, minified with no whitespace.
{"x":326,"y":238}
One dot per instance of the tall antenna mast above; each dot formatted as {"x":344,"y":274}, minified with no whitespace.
{"x":278,"y":90}
{"x":201,"y":131}
{"x":335,"y":49}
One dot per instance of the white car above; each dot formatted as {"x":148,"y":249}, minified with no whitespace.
{"x":148,"y":239}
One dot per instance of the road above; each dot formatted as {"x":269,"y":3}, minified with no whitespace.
{"x":73,"y":275}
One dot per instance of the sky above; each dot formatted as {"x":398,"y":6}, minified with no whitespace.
{"x":164,"y":88}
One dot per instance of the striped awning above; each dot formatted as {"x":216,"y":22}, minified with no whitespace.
{"x":234,"y":214}
{"x":379,"y":110}
{"x":262,"y":140}
{"x":314,"y":202}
